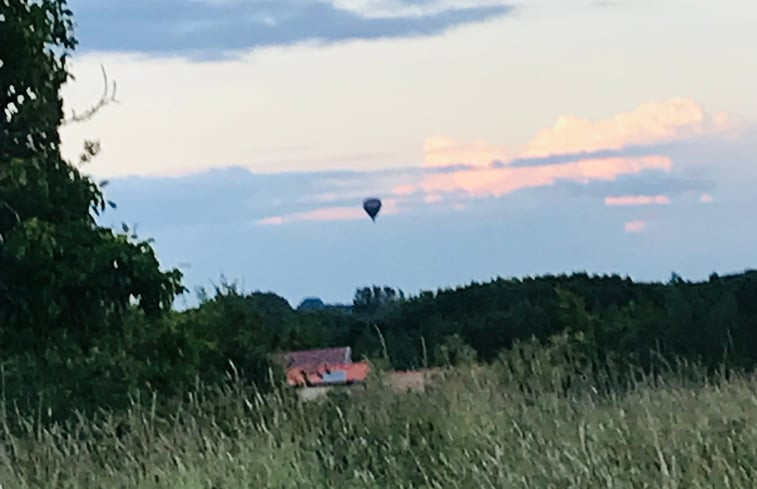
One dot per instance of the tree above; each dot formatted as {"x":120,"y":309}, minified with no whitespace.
{"x":375,"y":300}
{"x":236,"y":333}
{"x":61,"y":274}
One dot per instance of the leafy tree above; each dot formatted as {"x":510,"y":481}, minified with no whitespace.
{"x":60,"y":272}
{"x":70,"y":335}
{"x":237,"y":333}
{"x":376,"y":300}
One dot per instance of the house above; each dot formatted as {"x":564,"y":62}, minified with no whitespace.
{"x":315,"y":358}
{"x":328,"y":374}
{"x":316,"y":372}
{"x":322,"y":367}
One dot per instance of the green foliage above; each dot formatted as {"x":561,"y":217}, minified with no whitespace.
{"x":59,"y":270}
{"x":237,"y":333}
{"x":620,"y":321}
{"x":376,"y":301}
{"x":66,"y":284}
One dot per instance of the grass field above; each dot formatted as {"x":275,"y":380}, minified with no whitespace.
{"x":474,"y":429}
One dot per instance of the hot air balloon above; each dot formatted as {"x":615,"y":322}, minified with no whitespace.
{"x":372,"y":206}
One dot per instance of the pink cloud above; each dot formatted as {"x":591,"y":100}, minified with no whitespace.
{"x":328,"y":214}
{"x":501,"y":181}
{"x":705,"y":198}
{"x":636,"y":200}
{"x":635,"y":226}
{"x":653,"y":122}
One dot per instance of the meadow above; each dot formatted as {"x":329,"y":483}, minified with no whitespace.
{"x":525,"y":421}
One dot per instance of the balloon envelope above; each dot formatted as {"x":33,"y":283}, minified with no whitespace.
{"x":372,"y":206}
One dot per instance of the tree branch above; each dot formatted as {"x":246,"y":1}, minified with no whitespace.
{"x":105,"y":99}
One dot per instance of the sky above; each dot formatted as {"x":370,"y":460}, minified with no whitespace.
{"x":505,"y":138}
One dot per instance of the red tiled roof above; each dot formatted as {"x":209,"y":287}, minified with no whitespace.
{"x":353,"y":372}
{"x":317,"y":358}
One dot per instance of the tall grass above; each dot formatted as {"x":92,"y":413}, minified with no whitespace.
{"x":476,"y":428}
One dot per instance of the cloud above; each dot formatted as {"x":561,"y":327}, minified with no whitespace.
{"x":635,"y":226}
{"x":208,"y":29}
{"x":628,"y":200}
{"x":651,"y":123}
{"x":705,"y":198}
{"x":574,"y":149}
{"x":328,"y":214}
{"x":672,"y":184}
{"x":408,"y":8}
{"x":501,"y":181}
{"x":434,"y":185}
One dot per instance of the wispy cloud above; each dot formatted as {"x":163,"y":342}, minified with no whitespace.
{"x":214,"y":28}
{"x":629,"y":200}
{"x":328,"y":214}
{"x":501,"y":181}
{"x":409,"y":8}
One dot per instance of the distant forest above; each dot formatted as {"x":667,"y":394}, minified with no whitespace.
{"x":611,"y":319}
{"x":710,"y":322}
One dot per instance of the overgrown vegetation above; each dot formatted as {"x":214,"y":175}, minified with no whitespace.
{"x":477,"y":427}
{"x":557,"y":381}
